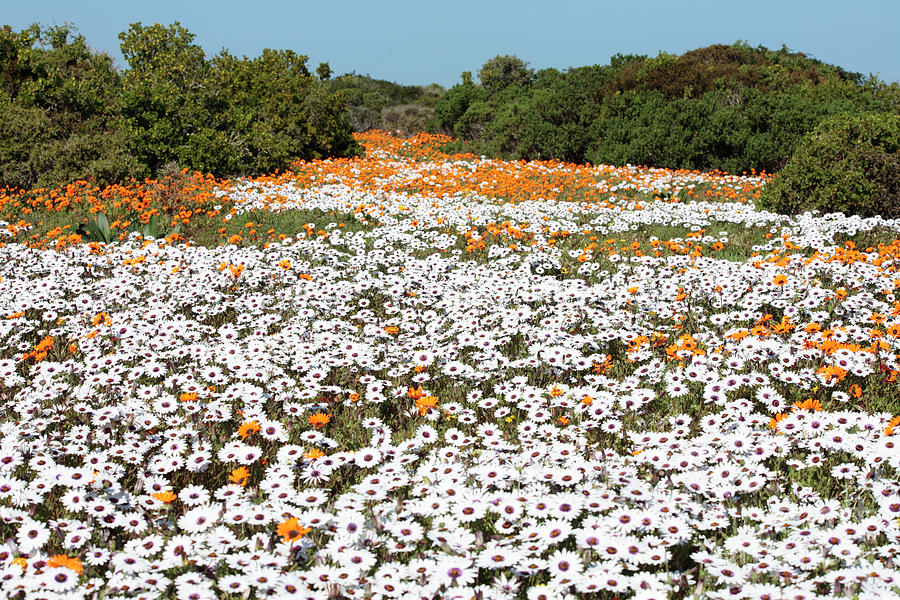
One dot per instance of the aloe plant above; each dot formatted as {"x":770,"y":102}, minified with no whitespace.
{"x":96,"y":230}
{"x":152,"y":228}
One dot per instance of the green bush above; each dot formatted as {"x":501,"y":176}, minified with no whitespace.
{"x":505,"y":71}
{"x":731,"y":108}
{"x":67,"y":113}
{"x":226,"y":116}
{"x":59,"y":111}
{"x":406,"y":119}
{"x":379,"y":104}
{"x":849,"y":164}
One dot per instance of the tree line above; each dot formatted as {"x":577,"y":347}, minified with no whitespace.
{"x":66,"y":112}
{"x":728,"y":107}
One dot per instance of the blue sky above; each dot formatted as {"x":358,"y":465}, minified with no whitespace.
{"x":428,"y":41}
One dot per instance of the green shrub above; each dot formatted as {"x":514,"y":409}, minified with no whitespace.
{"x":59,"y":111}
{"x":67,"y":113}
{"x":732,"y":108}
{"x":849,"y":164}
{"x":449,"y":111}
{"x":226,"y":116}
{"x":407,"y":119}
{"x":379,"y":104}
{"x":502,"y":72}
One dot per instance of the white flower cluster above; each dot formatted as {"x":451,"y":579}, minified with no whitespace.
{"x":541,"y":466}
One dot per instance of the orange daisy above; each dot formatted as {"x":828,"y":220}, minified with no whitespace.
{"x":247,"y":429}
{"x":290,"y":530}
{"x":240,"y":476}
{"x":319,"y":420}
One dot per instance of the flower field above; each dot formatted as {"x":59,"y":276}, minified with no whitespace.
{"x":422,"y":375}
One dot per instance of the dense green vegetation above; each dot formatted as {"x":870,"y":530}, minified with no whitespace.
{"x":66,"y":112}
{"x":849,"y":164}
{"x":732,"y":108}
{"x":380,"y":104}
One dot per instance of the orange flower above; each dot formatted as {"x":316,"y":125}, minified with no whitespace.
{"x":602,"y":368}
{"x":188,"y":397}
{"x":319,"y":420}
{"x":808,"y":404}
{"x":587,"y":400}
{"x":855,"y":391}
{"x":247,"y":429}
{"x":415,"y":393}
{"x":313,"y":454}
{"x":785,"y":326}
{"x":240,"y":476}
{"x":555,"y":392}
{"x":831,"y":372}
{"x":773,"y":424}
{"x":290,"y":530}
{"x":892,"y":424}
{"x":563,"y":420}
{"x":61,"y":560}
{"x":391,"y":329}
{"x":426,"y":403}
{"x":165,"y":497}
{"x":779,"y":280}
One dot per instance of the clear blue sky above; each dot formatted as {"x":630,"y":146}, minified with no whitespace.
{"x":433,"y":41}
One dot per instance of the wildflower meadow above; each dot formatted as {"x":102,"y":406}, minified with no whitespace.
{"x":424,"y":375}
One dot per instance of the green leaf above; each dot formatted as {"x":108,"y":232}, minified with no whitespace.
{"x":103,"y":227}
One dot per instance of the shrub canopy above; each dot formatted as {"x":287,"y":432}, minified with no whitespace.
{"x":67,"y":113}
{"x":849,"y":164}
{"x":732,"y":108}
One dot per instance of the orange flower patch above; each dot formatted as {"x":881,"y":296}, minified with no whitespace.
{"x":425,"y":404}
{"x":773,"y":423}
{"x":809,"y":404}
{"x":892,"y":424}
{"x":313,"y":454}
